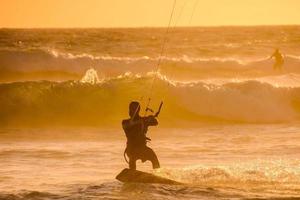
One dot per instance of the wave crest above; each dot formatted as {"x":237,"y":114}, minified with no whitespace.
{"x":182,"y":67}
{"x":77,"y":103}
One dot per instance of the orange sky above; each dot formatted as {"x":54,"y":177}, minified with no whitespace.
{"x":136,"y":13}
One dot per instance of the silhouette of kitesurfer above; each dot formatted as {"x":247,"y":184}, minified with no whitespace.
{"x":135,"y":129}
{"x":278,"y":60}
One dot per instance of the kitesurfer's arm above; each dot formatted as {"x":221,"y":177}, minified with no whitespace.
{"x":151,"y":121}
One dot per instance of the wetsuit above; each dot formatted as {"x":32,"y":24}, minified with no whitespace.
{"x":136,"y":149}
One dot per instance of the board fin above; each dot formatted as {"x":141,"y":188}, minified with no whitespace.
{"x":135,"y":176}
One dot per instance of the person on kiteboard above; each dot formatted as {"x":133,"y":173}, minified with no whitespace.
{"x":278,"y":59}
{"x":135,"y":129}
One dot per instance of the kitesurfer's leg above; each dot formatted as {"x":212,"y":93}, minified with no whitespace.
{"x":132,"y":163}
{"x":150,"y":154}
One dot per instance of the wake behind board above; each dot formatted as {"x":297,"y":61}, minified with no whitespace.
{"x":135,"y":176}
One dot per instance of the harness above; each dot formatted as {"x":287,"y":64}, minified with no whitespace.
{"x":147,"y":139}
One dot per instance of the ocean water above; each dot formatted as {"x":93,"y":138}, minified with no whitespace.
{"x":229,"y":127}
{"x":214,"y":162}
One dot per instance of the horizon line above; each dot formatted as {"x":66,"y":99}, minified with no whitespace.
{"x":145,"y":27}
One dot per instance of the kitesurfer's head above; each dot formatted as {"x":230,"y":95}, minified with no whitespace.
{"x":134,"y":109}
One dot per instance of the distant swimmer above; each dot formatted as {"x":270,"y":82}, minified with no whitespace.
{"x":278,"y":60}
{"x":136,"y":128}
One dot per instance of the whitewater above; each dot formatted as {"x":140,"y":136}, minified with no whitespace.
{"x":229,"y":127}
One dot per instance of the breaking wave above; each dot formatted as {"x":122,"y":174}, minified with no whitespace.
{"x":106,"y":102}
{"x":181,"y":67}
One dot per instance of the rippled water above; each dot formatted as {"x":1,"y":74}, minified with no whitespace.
{"x":214,"y":162}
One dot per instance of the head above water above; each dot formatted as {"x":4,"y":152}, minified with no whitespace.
{"x":134,"y":108}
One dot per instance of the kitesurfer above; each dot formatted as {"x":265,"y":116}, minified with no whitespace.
{"x":278,"y":60}
{"x":136,"y":128}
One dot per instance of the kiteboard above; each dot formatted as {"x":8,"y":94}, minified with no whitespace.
{"x":135,"y":176}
